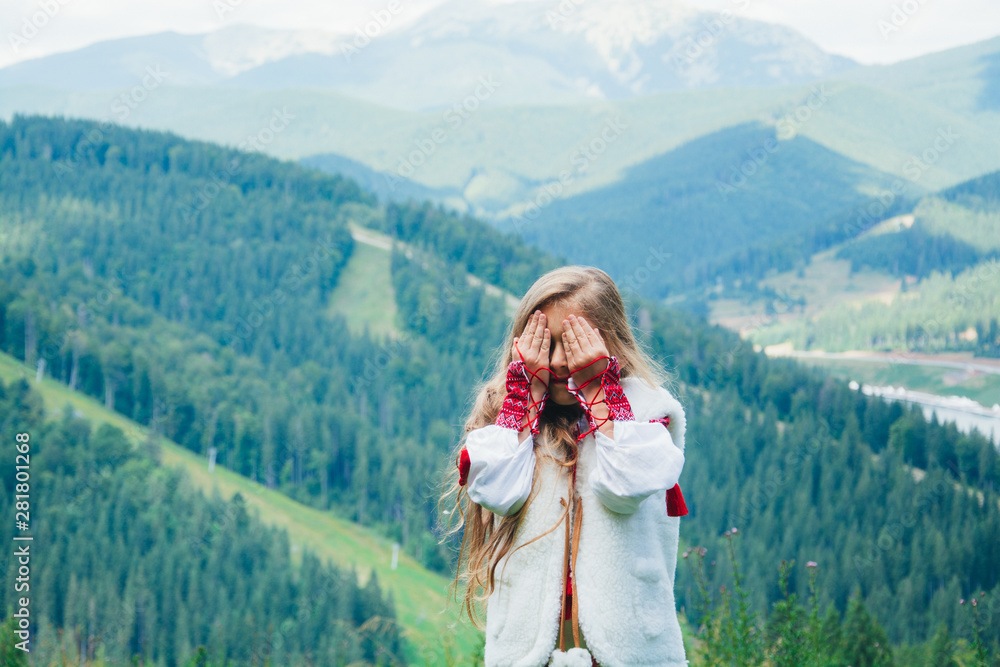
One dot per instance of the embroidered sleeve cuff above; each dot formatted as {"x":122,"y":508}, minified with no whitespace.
{"x":641,"y":460}
{"x":517,"y":402}
{"x":614,"y":395}
{"x":500,"y":469}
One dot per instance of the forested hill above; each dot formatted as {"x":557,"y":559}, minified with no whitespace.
{"x":195,"y":288}
{"x":129,"y":560}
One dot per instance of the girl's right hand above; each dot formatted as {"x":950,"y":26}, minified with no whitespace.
{"x":533,"y":345}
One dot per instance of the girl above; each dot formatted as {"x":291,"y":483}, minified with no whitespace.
{"x":567,"y":487}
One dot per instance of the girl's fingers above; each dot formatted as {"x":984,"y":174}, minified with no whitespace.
{"x":539,"y":332}
{"x":580,"y":335}
{"x":597,"y":343}
{"x":568,"y":347}
{"x":529,"y":329}
{"x":588,"y":330}
{"x":568,"y":334}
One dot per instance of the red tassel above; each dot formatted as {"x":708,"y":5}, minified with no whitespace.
{"x":463,"y":466}
{"x":675,"y":502}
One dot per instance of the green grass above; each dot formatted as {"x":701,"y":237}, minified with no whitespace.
{"x":364,"y":293}
{"x":428,"y":618}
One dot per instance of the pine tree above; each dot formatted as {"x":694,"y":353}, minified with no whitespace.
{"x":10,"y":656}
{"x":942,"y":649}
{"x":865,"y":643}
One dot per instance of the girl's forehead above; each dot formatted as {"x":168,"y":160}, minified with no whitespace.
{"x":556,"y":312}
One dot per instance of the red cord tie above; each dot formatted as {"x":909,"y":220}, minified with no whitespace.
{"x":614,"y":396}
{"x":518,"y":401}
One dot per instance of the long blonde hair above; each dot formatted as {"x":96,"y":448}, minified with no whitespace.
{"x":484,"y":544}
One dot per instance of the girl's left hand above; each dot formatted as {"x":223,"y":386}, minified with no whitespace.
{"x":583,"y":344}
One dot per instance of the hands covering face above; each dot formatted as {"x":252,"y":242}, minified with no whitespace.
{"x":581,"y":343}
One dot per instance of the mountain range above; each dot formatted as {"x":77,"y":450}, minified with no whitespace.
{"x":542,"y":52}
{"x":554,"y":119}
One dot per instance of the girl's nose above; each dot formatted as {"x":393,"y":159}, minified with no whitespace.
{"x":558,"y":361}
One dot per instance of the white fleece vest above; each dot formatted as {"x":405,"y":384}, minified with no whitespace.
{"x":625,"y":567}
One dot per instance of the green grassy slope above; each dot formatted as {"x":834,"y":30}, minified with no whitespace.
{"x":420,"y":596}
{"x":364,"y":293}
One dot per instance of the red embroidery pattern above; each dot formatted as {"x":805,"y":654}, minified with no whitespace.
{"x":614,"y":395}
{"x":518,"y":400}
{"x":662,"y":420}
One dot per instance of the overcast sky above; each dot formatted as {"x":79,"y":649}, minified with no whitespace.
{"x":870,"y":31}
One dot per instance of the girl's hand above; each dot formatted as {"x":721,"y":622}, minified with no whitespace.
{"x":583,"y":344}
{"x":533,"y":346}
